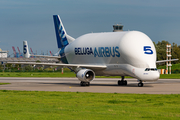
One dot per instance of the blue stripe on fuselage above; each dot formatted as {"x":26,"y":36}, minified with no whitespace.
{"x":63,"y":56}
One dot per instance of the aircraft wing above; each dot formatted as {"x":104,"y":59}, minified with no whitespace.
{"x":45,"y":56}
{"x":60,"y":64}
{"x":161,"y":61}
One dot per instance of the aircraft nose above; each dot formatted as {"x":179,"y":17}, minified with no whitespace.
{"x":156,"y":75}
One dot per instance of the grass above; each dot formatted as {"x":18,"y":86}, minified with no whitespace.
{"x":170,"y":76}
{"x":4,"y":83}
{"x":33,"y":105}
{"x":37,"y":74}
{"x":174,"y":66}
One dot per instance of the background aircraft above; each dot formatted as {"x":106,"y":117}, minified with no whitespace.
{"x":126,"y":53}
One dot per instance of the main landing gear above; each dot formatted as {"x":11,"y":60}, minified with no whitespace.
{"x":122,"y":81}
{"x":140,"y":84}
{"x":84,"y":83}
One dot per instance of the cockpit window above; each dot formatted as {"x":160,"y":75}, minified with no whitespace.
{"x":151,"y":69}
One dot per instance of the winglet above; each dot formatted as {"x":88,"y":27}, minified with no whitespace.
{"x":25,"y":49}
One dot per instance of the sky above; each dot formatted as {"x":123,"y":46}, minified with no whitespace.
{"x":32,"y":20}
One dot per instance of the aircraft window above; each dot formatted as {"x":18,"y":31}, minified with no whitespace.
{"x":120,"y":27}
{"x":147,"y":69}
{"x":151,"y":69}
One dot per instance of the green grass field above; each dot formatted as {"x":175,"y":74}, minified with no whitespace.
{"x":33,"y":105}
{"x":37,"y":74}
{"x":174,"y":66}
{"x":4,"y":83}
{"x":172,"y":76}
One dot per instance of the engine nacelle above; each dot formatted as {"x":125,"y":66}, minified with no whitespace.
{"x":85,"y":75}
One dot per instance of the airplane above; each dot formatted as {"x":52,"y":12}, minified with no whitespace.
{"x":125,"y":53}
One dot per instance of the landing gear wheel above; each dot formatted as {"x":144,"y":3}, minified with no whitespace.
{"x":84,"y":83}
{"x":125,"y":82}
{"x":140,"y":84}
{"x":122,"y":82}
{"x":87,"y":83}
{"x":119,"y":82}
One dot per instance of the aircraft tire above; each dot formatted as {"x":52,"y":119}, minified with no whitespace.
{"x":119,"y":82}
{"x":87,"y":83}
{"x":140,"y":84}
{"x":125,"y":82}
{"x":83,"y":83}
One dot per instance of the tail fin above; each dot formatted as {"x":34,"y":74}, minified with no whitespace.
{"x":62,"y":38}
{"x":25,"y":49}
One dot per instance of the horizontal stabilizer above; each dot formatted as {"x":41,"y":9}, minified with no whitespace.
{"x":161,"y":61}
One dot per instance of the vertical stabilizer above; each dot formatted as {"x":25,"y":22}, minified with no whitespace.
{"x":25,"y":49}
{"x":62,"y":38}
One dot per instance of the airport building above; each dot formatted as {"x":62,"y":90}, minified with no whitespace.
{"x":3,"y":54}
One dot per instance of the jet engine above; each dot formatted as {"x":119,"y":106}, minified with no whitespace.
{"x":85,"y":75}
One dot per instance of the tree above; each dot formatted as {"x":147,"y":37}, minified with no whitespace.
{"x":175,"y":52}
{"x":28,"y":68}
{"x":161,"y":50}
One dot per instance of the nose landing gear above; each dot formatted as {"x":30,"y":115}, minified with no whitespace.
{"x":140,"y":84}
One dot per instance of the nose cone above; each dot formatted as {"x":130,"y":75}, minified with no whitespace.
{"x":155,"y":76}
{"x":148,"y":76}
{"x":152,"y":76}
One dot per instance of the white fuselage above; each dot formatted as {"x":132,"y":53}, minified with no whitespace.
{"x":124,"y":53}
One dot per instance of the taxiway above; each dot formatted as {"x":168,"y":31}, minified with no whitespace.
{"x":100,"y":85}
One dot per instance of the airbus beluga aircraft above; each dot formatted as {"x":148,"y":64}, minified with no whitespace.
{"x":126,"y":53}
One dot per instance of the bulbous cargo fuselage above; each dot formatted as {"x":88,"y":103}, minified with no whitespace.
{"x":124,"y":53}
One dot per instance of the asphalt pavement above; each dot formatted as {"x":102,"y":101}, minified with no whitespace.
{"x":99,"y":85}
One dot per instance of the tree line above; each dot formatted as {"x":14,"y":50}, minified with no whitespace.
{"x":161,"y":51}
